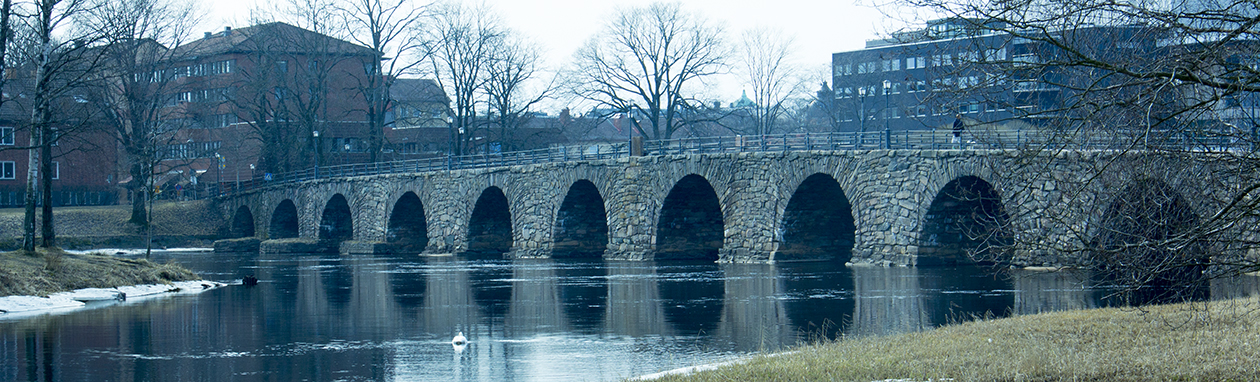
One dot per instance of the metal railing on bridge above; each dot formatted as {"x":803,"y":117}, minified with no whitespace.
{"x":874,"y":140}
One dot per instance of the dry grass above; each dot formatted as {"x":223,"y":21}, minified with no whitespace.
{"x":169,"y":218}
{"x":51,"y":271}
{"x":1216,"y":341}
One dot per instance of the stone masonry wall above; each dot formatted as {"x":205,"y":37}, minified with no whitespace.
{"x":890,"y":192}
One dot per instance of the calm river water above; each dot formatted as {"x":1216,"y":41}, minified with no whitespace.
{"x":368,"y":318}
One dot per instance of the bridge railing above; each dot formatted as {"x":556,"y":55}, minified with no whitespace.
{"x":870,"y":140}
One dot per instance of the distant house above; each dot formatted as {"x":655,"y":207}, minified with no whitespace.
{"x":418,"y":119}
{"x":264,"y":99}
{"x":83,"y":162}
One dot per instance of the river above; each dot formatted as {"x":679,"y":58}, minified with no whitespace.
{"x":372,"y":318}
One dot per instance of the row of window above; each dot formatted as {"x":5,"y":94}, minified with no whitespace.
{"x":913,"y":87}
{"x":205,"y":95}
{"x":191,"y":150}
{"x":8,"y":170}
{"x":922,"y":111}
{"x":206,"y":69}
{"x":919,"y":62}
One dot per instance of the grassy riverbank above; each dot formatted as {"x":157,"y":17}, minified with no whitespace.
{"x":1215,"y":341}
{"x":174,"y":224}
{"x":51,"y":271}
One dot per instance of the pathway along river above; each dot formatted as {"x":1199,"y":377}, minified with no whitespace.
{"x":361,"y":318}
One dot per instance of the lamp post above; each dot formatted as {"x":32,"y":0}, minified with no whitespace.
{"x":887,"y":116}
{"x":218,"y":165}
{"x":315,"y":147}
{"x":862,"y":109}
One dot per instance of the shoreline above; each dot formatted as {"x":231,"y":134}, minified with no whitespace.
{"x":1154,"y":342}
{"x":22,"y":307}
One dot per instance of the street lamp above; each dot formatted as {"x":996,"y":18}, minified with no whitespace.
{"x":315,"y":147}
{"x":862,"y":108}
{"x":887,"y":116}
{"x":218,"y":165}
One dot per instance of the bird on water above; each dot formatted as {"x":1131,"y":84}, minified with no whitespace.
{"x":459,"y":339}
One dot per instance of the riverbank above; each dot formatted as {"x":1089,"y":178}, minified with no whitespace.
{"x":1201,"y":341}
{"x":46,"y":272}
{"x":175,"y":224}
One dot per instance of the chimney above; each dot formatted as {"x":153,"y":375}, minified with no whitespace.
{"x":227,"y":31}
{"x":208,"y":34}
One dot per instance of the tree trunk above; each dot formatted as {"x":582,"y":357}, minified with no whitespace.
{"x":28,"y":221}
{"x":45,"y":166}
{"x":138,"y":177}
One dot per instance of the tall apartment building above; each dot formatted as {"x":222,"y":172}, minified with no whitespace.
{"x":925,"y":79}
{"x":265,"y":99}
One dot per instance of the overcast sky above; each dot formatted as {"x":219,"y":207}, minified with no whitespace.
{"x":820,"y":27}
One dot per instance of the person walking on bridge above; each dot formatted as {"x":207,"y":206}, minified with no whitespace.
{"x":958,"y":130}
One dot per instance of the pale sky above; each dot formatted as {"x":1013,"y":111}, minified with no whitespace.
{"x":820,"y":27}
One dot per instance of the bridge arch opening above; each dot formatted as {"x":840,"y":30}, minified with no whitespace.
{"x":242,"y":223}
{"x":817,"y":223}
{"x":690,"y":225}
{"x":336,"y":224}
{"x":407,"y":227}
{"x":1140,"y":246}
{"x":965,"y":224}
{"x":581,"y":229}
{"x":490,"y":227}
{"x":284,"y":221}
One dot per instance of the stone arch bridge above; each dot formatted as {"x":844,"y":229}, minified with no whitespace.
{"x":883,"y":206}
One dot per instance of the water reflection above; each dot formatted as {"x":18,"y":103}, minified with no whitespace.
{"x":344,"y":317}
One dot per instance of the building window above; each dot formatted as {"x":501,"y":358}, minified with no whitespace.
{"x":221,"y":67}
{"x":892,"y":65}
{"x":224,"y":120}
{"x":56,"y":170}
{"x":8,"y":170}
{"x":6,"y":136}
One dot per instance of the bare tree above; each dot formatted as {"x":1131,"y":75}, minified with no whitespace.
{"x":62,"y":61}
{"x":393,"y":29}
{"x":133,"y":86}
{"x":462,"y":44}
{"x":764,"y":67}
{"x":644,"y":60}
{"x":513,"y":66}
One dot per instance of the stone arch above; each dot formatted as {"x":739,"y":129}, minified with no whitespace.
{"x":581,"y":226}
{"x":965,"y":223}
{"x":284,"y":221}
{"x":336,"y":224}
{"x":407,"y":226}
{"x":817,"y":223}
{"x":1136,"y":244}
{"x":690,"y":224}
{"x":490,"y":226}
{"x":242,"y":223}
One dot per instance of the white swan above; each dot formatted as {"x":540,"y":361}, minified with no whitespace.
{"x":459,"y":339}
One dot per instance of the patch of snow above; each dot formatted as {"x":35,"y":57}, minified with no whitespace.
{"x":25,"y":306}
{"x":18,"y":304}
{"x":91,"y":294}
